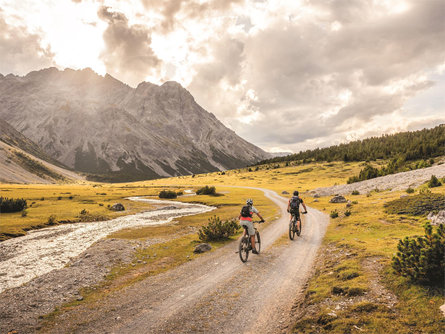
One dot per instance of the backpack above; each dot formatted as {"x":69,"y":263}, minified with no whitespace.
{"x":245,"y":212}
{"x":295,"y":203}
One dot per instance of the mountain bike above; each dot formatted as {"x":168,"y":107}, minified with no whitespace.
{"x":294,"y":228}
{"x":244,"y":244}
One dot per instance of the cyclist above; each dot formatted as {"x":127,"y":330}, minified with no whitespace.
{"x":245,"y":219}
{"x":293,"y":207}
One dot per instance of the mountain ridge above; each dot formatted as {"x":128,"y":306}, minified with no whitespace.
{"x":100,"y":125}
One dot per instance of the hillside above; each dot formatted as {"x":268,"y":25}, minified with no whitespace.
{"x":22,"y":161}
{"x":99,"y":125}
{"x":411,"y":145}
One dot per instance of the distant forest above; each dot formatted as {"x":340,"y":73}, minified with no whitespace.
{"x":406,"y":146}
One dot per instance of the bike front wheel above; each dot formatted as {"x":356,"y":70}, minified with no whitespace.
{"x":243,"y":249}
{"x":257,"y":241}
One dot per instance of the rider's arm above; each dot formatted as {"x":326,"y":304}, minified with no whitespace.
{"x":258,"y":214}
{"x":288,"y":206}
{"x":304,"y":206}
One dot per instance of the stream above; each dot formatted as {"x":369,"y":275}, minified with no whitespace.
{"x":44,"y":250}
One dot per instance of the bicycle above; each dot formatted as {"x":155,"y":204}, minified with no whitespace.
{"x":244,"y":244}
{"x":293,"y":226}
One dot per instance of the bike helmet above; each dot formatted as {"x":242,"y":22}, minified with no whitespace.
{"x":295,"y":193}
{"x":249,"y":201}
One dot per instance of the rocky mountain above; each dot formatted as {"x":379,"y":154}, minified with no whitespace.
{"x":100,"y":125}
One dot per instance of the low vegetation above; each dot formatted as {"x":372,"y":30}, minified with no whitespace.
{"x":434,"y":182}
{"x":206,"y":191}
{"x":169,"y":194}
{"x":216,"y":229}
{"x":12,"y":205}
{"x":417,"y":205}
{"x":422,"y":259}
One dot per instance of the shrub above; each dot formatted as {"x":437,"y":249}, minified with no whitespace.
{"x":355,"y":192}
{"x":179,"y":193}
{"x":354,"y":202}
{"x":422,"y":259}
{"x":24,"y":213}
{"x":167,"y":194}
{"x":417,"y":205}
{"x":347,"y":213}
{"x":206,"y":191}
{"x":410,"y":190}
{"x":434,"y":182}
{"x":52,"y":220}
{"x":12,"y":205}
{"x":334,"y":214}
{"x":216,"y":229}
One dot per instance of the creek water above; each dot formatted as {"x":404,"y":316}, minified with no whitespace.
{"x":44,"y":250}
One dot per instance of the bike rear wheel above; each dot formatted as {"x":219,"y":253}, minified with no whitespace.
{"x":292,"y":229}
{"x":298,"y":228}
{"x":243,"y":249}
{"x":257,"y":241}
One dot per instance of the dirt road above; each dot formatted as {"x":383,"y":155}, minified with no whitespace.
{"x":215,"y":293}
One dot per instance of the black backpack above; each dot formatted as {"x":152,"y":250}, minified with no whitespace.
{"x":295,"y":203}
{"x":245,"y":212}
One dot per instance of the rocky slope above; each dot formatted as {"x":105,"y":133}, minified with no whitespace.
{"x":22,"y":161}
{"x":99,"y":125}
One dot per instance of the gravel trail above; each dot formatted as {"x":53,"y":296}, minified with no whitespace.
{"x":215,"y":293}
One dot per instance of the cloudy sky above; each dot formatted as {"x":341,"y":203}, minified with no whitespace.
{"x":285,"y":75}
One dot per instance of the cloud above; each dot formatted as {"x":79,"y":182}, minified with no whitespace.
{"x":312,"y":81}
{"x":21,"y":51}
{"x":128,"y":54}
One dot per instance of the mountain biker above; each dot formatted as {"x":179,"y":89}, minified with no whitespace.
{"x":293,"y":207}
{"x":245,"y":219}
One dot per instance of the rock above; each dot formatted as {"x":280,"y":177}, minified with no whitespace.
{"x":316,"y":196}
{"x":284,"y":192}
{"x":315,"y":200}
{"x":117,"y":207}
{"x":349,"y":204}
{"x":437,"y":219}
{"x":201,"y":248}
{"x":80,"y":298}
{"x":338,"y":199}
{"x":403,"y":196}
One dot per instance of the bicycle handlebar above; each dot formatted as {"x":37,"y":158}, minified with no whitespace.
{"x":258,"y":221}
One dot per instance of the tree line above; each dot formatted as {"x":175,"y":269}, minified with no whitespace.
{"x":403,"y":146}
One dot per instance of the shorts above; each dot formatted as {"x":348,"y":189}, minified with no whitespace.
{"x":296,"y":214}
{"x":249,"y":226}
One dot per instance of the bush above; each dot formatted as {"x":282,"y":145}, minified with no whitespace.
{"x":410,"y":190}
{"x":206,"y":191}
{"x":24,"y":213}
{"x":12,"y":205}
{"x":334,"y":214}
{"x":354,"y":202}
{"x":422,"y":259}
{"x":216,"y":229}
{"x":355,"y":192}
{"x":167,"y":194}
{"x":434,"y":182}
{"x":179,"y":193}
{"x":347,"y":213}
{"x":52,"y":220}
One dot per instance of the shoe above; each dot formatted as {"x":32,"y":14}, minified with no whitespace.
{"x":254,"y":251}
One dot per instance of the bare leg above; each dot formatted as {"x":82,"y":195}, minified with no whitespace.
{"x":252,"y":241}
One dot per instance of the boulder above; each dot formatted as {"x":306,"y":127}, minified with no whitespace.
{"x":349,"y":204}
{"x":338,"y":199}
{"x":201,"y":248}
{"x":117,"y":207}
{"x":437,"y":219}
{"x":316,"y":196}
{"x":315,"y":200}
{"x":284,"y":192}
